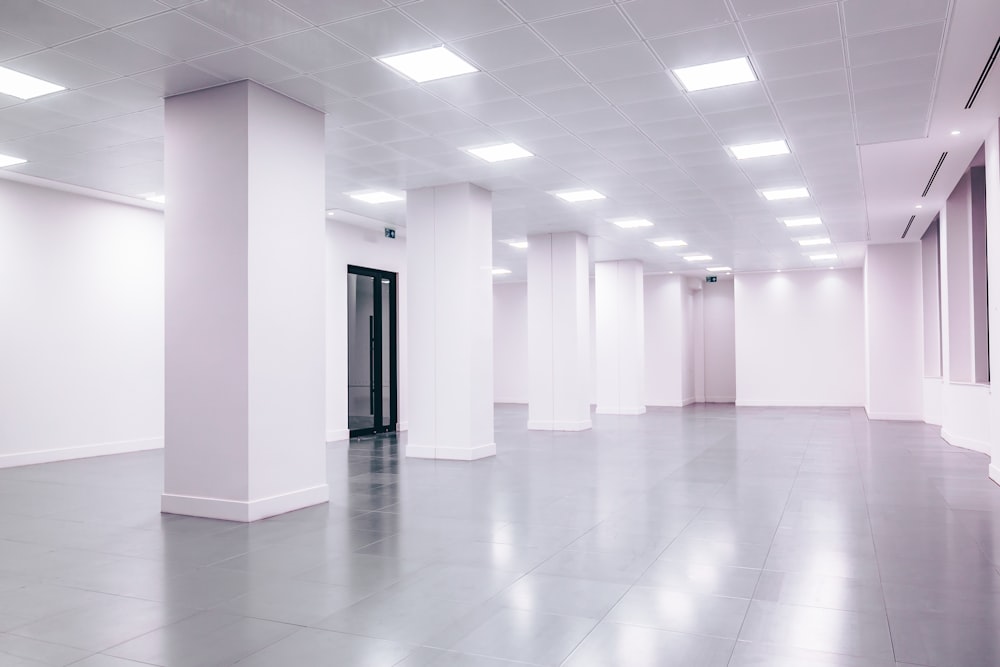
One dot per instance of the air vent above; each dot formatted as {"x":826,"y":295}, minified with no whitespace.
{"x":934,"y":174}
{"x":982,"y":77}
{"x":908,"y":225}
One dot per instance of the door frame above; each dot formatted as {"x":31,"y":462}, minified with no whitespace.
{"x":382,"y":425}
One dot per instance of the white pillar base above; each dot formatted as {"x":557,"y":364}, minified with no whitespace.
{"x":995,"y":472}
{"x":242,"y":510}
{"x":452,"y":453}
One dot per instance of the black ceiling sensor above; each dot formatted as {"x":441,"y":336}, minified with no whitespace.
{"x":908,"y":225}
{"x":930,"y":182}
{"x":982,"y":77}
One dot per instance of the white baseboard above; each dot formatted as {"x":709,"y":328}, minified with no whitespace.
{"x":404,"y":426}
{"x":640,"y":410}
{"x":338,"y":435}
{"x":684,"y":402}
{"x":753,"y":403}
{"x":244,"y":511}
{"x":893,"y":416}
{"x":560,"y":426}
{"x":720,"y":399}
{"x":452,"y":453}
{"x":995,"y":472}
{"x":83,"y":452}
{"x":965,"y":442}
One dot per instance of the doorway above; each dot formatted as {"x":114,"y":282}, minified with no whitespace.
{"x":372,"y":400}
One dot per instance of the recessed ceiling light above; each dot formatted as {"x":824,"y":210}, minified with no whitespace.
{"x":23,"y":86}
{"x":429,"y":64}
{"x":802,"y":222}
{"x":501,"y":272}
{"x":154,"y":197}
{"x":697,"y":258}
{"x":332,"y":213}
{"x":375,"y":197}
{"x":579,"y":195}
{"x":521,"y":245}
{"x":10,"y":161}
{"x":631,"y":223}
{"x":720,"y":269}
{"x":668,"y":243}
{"x":920,"y":206}
{"x":819,"y":258}
{"x":955,"y":133}
{"x":766,"y":149}
{"x":714,"y":75}
{"x":810,"y":242}
{"x":499,"y":153}
{"x":785,"y":193}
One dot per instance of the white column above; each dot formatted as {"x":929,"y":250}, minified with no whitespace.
{"x":245,"y":314}
{"x":558,"y":332}
{"x":894,"y":344}
{"x":449,"y":249}
{"x":620,"y":342}
{"x":993,"y":277}
{"x":666,"y":323}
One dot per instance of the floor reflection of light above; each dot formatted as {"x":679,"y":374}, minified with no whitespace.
{"x":703,"y":574}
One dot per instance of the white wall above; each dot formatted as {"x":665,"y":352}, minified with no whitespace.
{"x":931,"y":280}
{"x":81,"y":338}
{"x":510,"y":342}
{"x":993,"y":281}
{"x":800,"y":338}
{"x":345,"y":245}
{"x":719,"y":325}
{"x":894,"y":350}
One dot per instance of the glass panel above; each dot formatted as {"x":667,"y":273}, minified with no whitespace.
{"x":361,"y":350}
{"x":386,"y":353}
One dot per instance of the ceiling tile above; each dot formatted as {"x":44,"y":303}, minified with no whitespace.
{"x":677,"y":127}
{"x":445,"y":120}
{"x":246,"y":20}
{"x":658,"y":109}
{"x":383,"y":33}
{"x":128,"y":94}
{"x":568,"y":100}
{"x":587,"y":31}
{"x":350,"y":112}
{"x":384,"y":131}
{"x":116,"y":53}
{"x":895,"y":98}
{"x":833,"y":82}
{"x":699,"y":47}
{"x":503,"y":111}
{"x":639,"y":88}
{"x":468,"y":89}
{"x":533,"y":10}
{"x":11,"y":46}
{"x":453,"y":20}
{"x":325,"y":11}
{"x":531,"y":128}
{"x":900,"y":44}
{"x":864,"y":16}
{"x":750,"y":117}
{"x":59,"y":68}
{"x":506,"y":48}
{"x":109,"y":13}
{"x":176,"y":79}
{"x":539,"y":77}
{"x":801,"y":61}
{"x":655,"y":18}
{"x":785,"y":31}
{"x":363,"y":78}
{"x":35,"y":117}
{"x":883,"y":75}
{"x":318,"y":95}
{"x":244,"y":63}
{"x":617,"y":62}
{"x":82,"y":107}
{"x":746,"y":9}
{"x":177,"y":35}
{"x":41,"y":23}
{"x":310,"y":51}
{"x":405,"y":102}
{"x":592,"y":120}
{"x":729,"y":98}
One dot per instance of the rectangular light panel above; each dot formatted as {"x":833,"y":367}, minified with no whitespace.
{"x":766,"y":149}
{"x":697,"y":258}
{"x":812,"y":242}
{"x":10,"y":161}
{"x":574,"y":196}
{"x":377,"y":197}
{"x":785,"y":193}
{"x":802,"y":222}
{"x":668,"y":243}
{"x":23,"y":86}
{"x":499,"y":153}
{"x":429,"y":64}
{"x":501,"y":272}
{"x":719,"y":268}
{"x":715,"y":75}
{"x":520,"y":245}
{"x":631,"y":223}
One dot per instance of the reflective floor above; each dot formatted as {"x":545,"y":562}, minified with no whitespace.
{"x":705,"y":536}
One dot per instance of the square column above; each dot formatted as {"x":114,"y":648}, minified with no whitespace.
{"x":449,"y":250}
{"x":558,"y":332}
{"x":245,"y":316}
{"x":620,"y":338}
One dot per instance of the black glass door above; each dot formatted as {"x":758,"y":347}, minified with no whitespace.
{"x":371,"y":341}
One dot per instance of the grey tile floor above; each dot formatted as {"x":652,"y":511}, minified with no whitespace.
{"x":708,"y":536}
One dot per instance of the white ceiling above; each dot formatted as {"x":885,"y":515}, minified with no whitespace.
{"x":583,"y":84}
